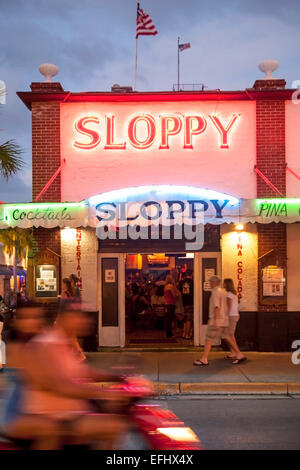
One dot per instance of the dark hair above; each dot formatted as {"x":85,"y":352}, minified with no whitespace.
{"x":135,"y":289}
{"x":160,"y":291}
{"x":229,"y":285}
{"x":67,"y":281}
{"x":74,"y":278}
{"x":23,"y":304}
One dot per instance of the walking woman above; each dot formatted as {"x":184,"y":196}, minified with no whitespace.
{"x":233,"y":316}
{"x":171,"y":296}
{"x":66,"y":288}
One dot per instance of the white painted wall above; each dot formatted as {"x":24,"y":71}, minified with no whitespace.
{"x":89,"y":248}
{"x":293,"y":267}
{"x":230,"y":258}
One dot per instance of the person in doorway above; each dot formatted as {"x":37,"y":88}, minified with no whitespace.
{"x":74,"y":287}
{"x":171,"y":295}
{"x":217,"y":322}
{"x":158,"y":306}
{"x":23,"y":291}
{"x":158,"y":297}
{"x":187,"y":293}
{"x":66,"y":289}
{"x":233,"y":317}
{"x":2,"y":304}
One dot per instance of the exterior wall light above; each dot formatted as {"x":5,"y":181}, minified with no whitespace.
{"x":68,"y":234}
{"x":239,"y":227}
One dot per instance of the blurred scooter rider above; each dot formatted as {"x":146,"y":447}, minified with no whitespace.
{"x":33,"y":431}
{"x":59,"y":386}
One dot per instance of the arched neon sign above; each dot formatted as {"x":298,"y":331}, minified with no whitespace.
{"x":161,"y":193}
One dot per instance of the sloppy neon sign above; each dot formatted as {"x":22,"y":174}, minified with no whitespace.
{"x":143,"y":130}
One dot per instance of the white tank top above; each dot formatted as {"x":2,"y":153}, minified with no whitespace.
{"x":234,"y":310}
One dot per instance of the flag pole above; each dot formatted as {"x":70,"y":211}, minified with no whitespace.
{"x":178,"y":64}
{"x":136,"y":60}
{"x":136,"y":53}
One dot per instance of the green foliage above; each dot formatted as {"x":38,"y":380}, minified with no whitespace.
{"x":16,"y":238}
{"x":10,"y":158}
{"x":33,"y":249}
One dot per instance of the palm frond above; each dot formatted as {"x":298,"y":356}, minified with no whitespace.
{"x":18,"y":239}
{"x":10,"y":158}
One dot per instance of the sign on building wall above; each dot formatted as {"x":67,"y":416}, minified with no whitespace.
{"x":46,"y":282}
{"x":151,"y":205}
{"x":273,"y":281}
{"x":116,"y":145}
{"x":239,"y":262}
{"x":48,"y":215}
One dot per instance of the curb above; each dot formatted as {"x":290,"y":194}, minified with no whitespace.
{"x":221,"y":388}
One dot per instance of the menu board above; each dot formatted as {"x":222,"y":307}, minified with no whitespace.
{"x":46,"y":280}
{"x":273,"y":281}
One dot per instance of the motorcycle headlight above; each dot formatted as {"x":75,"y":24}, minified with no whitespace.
{"x":179,"y":434}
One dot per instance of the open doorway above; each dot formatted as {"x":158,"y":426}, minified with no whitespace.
{"x":149,"y":318}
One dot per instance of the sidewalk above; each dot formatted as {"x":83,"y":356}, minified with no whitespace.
{"x":174,"y":373}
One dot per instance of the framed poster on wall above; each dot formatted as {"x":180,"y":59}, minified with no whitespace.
{"x":273,"y":281}
{"x":46,"y":284}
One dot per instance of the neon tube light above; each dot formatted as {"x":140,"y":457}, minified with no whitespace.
{"x":160,"y":193}
{"x":295,"y":201}
{"x":41,"y":206}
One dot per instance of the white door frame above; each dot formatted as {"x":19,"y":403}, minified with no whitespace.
{"x":116,"y":336}
{"x":112,"y":336}
{"x":199,"y":328}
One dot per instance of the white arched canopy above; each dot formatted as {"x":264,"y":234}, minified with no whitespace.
{"x":151,"y":204}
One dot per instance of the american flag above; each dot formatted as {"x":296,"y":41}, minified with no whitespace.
{"x":183,"y":47}
{"x":144,"y":24}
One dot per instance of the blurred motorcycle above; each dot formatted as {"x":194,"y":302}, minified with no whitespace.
{"x":152,"y":427}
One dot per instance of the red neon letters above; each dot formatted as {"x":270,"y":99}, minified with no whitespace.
{"x":166,"y":130}
{"x":151,"y":131}
{"x":144,"y":130}
{"x":224,"y":131}
{"x":189,"y":130}
{"x":81,"y":128}
{"x":110,"y":131}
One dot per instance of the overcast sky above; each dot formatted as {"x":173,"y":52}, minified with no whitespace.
{"x":93,"y":43}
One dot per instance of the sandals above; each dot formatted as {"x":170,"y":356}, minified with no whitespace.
{"x":238,"y":361}
{"x":200,"y":363}
{"x":233,"y":358}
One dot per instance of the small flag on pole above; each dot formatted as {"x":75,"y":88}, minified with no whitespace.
{"x":183,"y":47}
{"x":144,"y":24}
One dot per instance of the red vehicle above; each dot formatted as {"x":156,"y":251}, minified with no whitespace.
{"x":152,"y":427}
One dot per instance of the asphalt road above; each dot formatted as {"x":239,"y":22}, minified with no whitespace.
{"x":238,"y":423}
{"x":241,"y":423}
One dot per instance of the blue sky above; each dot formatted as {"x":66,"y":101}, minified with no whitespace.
{"x":93,"y":43}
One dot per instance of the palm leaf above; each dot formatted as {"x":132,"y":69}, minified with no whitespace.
{"x":16,"y":238}
{"x":10,"y":158}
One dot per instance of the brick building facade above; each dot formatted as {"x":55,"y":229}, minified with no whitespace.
{"x":266,"y":323}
